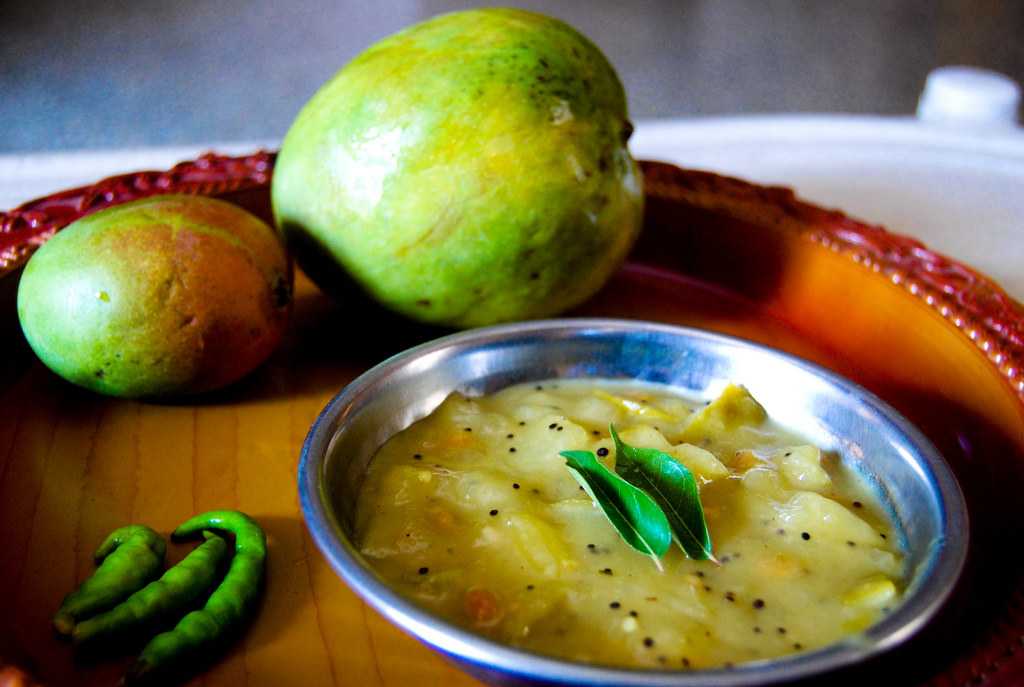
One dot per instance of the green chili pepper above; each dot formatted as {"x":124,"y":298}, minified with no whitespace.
{"x":129,"y":558}
{"x":159,"y":602}
{"x":226,"y":609}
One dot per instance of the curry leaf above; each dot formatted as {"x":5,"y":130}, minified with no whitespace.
{"x":633,"y":514}
{"x":673,"y":487}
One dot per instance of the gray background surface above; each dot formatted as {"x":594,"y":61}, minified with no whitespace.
{"x":78,"y":74}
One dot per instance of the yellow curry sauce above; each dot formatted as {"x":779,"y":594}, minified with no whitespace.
{"x":472,"y":513}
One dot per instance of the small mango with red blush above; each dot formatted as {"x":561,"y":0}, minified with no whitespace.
{"x":165,"y":296}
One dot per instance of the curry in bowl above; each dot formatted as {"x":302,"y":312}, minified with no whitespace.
{"x":472,"y":513}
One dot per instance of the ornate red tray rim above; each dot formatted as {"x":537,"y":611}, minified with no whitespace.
{"x":975,"y":304}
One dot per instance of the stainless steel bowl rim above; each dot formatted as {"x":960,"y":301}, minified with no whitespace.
{"x":461,"y":644}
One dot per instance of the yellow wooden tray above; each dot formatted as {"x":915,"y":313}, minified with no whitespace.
{"x":937,"y":340}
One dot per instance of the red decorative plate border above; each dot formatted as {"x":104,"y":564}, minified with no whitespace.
{"x":972,"y":302}
{"x":29,"y":225}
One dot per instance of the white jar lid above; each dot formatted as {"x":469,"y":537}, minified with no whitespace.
{"x":969,"y":96}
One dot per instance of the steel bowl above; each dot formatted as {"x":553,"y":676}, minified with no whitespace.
{"x":911,"y":478}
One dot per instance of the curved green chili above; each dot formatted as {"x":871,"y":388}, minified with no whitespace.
{"x":226,"y":609}
{"x":159,"y":602}
{"x":128,"y":558}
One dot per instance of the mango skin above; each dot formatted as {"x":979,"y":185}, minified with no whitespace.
{"x":468,"y":170}
{"x":169,"y":295}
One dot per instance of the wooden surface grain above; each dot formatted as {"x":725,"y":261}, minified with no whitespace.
{"x":76,"y":466}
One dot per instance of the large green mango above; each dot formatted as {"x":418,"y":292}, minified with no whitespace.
{"x":468,"y":170}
